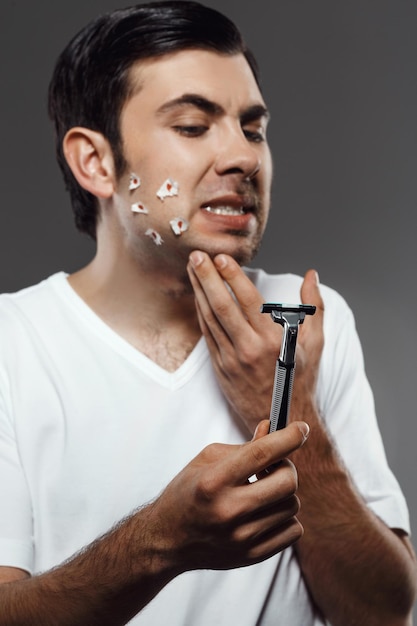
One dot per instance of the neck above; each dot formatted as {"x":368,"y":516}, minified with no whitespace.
{"x":151,"y":308}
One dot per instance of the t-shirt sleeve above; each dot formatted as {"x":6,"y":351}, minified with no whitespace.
{"x":347,"y":406}
{"x":16,"y":543}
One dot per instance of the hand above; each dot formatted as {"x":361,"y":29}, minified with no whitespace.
{"x":211,"y":517}
{"x":243,"y":344}
{"x":310,"y":342}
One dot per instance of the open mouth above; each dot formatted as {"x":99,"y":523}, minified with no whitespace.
{"x":226,"y":210}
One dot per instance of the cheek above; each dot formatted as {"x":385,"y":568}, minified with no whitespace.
{"x":266,"y":182}
{"x":267,"y":169}
{"x":163,"y":168}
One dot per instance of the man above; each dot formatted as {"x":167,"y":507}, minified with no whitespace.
{"x":117,"y":382}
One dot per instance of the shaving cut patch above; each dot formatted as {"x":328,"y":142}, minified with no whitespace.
{"x":168,"y":189}
{"x":154,"y":235}
{"x":139,"y":207}
{"x":179,"y":225}
{"x":134,"y":181}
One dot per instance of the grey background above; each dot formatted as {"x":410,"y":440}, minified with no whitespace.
{"x":340,"y":80}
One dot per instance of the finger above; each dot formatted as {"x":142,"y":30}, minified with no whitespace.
{"x":268,"y":494}
{"x":247,"y":295}
{"x":262,"y":521}
{"x":219,"y":343}
{"x":209,"y":325}
{"x":261,"y":453}
{"x":261,"y":430}
{"x":310,"y":291}
{"x":220,"y":301}
{"x":218,"y":348}
{"x":276,"y":540}
{"x":310,"y":294}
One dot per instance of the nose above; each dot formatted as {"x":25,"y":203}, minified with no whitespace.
{"x":237,"y":155}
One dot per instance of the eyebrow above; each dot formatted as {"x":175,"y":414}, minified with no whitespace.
{"x":252,"y":113}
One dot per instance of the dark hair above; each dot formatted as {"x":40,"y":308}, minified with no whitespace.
{"x":90,"y":83}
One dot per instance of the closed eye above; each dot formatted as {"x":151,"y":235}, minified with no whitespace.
{"x":190,"y":131}
{"x":255,"y":136}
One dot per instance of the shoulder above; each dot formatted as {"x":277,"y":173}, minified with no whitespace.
{"x":29,"y":307}
{"x":26,"y":298}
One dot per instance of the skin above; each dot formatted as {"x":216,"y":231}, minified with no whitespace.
{"x":224,"y":521}
{"x":219,"y":142}
{"x":369,"y":573}
{"x":219,"y":155}
{"x":209,"y":139}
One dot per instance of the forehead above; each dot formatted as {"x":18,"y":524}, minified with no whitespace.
{"x":227,"y":79}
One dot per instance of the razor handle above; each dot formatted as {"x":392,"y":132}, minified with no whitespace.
{"x":281,"y":396}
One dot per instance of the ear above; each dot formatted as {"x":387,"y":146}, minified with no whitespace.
{"x":90,"y":159}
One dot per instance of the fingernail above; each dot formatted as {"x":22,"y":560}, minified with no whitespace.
{"x":196,"y":258}
{"x":317,"y":277}
{"x":255,"y":433}
{"x":305,"y":429}
{"x":221,"y":261}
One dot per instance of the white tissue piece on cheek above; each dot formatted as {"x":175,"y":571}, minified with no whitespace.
{"x":138,"y":207}
{"x":179,"y":225}
{"x":154,"y":235}
{"x":168,"y":189}
{"x":134,"y":182}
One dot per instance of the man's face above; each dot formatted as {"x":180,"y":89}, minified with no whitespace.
{"x":197,"y":119}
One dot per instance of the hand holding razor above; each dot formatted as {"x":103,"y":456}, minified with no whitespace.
{"x":290,"y":316}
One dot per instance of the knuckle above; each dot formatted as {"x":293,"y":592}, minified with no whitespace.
{"x":206,"y":488}
{"x":288,"y":479}
{"x":229,"y":365}
{"x":212,"y":453}
{"x":251,"y":352}
{"x":209,"y":317}
{"x":260,"y":453}
{"x":252,"y":299}
{"x":293,"y":506}
{"x":221,"y":307}
{"x":294,"y":531}
{"x":247,"y":356}
{"x":242,"y":535}
{"x":209,"y":479}
{"x":222,"y":513}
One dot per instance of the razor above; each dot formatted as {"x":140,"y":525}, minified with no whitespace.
{"x":289,"y":316}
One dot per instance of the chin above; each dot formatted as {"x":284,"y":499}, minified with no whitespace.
{"x":237,"y":245}
{"x":243,"y":252}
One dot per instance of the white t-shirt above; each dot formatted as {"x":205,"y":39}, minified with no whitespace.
{"x":90,"y":429}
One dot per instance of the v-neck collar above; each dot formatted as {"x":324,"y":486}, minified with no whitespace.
{"x":171,"y":380}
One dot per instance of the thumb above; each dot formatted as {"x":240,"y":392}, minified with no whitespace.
{"x":262,"y":430}
{"x":310,"y":292}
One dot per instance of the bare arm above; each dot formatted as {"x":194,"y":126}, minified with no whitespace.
{"x":209,"y":517}
{"x":370,"y":577}
{"x":358,"y":570}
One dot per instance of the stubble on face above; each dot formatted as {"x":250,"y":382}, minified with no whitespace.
{"x":172,"y":254}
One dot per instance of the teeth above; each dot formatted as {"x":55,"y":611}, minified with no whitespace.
{"x":225,"y":210}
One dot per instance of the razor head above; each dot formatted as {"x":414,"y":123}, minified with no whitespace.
{"x":290,"y":316}
{"x":269,"y":307}
{"x":288,"y":313}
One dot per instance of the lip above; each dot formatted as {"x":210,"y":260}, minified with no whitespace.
{"x":245,"y":203}
{"x":243,"y":221}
